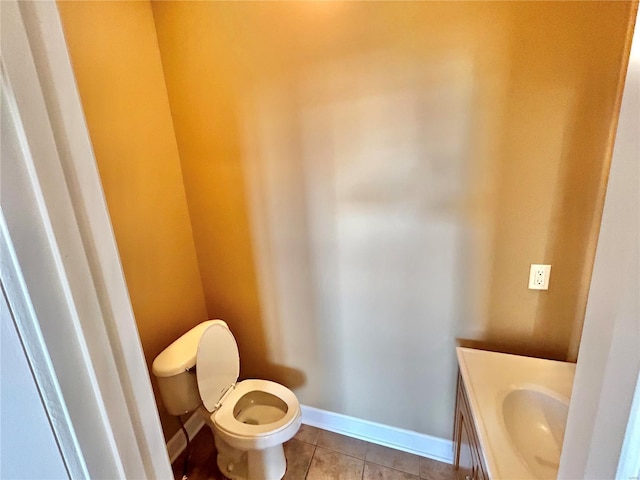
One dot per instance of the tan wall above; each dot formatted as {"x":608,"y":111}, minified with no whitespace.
{"x":115,"y":56}
{"x":303,"y":215}
{"x":365,"y":181}
{"x":552,"y":168}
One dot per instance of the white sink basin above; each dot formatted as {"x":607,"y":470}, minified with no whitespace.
{"x":519,"y":406}
{"x":535,"y":420}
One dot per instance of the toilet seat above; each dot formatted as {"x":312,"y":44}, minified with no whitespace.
{"x":218,"y":366}
{"x":224,"y":418}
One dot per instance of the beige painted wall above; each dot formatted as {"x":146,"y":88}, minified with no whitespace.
{"x":117,"y":65}
{"x":552,"y":168}
{"x":368,"y":181}
{"x":365,"y":181}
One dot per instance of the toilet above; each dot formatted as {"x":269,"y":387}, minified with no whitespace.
{"x":250,"y":419}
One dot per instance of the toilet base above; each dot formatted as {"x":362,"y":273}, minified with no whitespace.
{"x":267,"y":464}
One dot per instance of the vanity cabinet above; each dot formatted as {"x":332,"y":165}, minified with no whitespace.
{"x":467,"y":455}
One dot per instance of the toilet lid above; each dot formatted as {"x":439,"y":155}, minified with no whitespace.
{"x":217,"y":364}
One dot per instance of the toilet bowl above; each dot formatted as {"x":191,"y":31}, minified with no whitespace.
{"x":250,"y":419}
{"x":258,"y":414}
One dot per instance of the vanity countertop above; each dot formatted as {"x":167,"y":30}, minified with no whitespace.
{"x":489,"y":377}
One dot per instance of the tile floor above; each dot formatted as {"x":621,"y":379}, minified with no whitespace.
{"x":317,"y":454}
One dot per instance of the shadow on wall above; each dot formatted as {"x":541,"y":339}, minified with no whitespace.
{"x":355,"y":170}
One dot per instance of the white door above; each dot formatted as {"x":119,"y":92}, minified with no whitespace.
{"x":25,"y":426}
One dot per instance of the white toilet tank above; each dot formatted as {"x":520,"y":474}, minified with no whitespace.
{"x":175,"y":372}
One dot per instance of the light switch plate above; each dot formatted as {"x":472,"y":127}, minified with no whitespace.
{"x":539,"y":277}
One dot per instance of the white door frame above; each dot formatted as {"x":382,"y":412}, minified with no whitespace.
{"x":73,"y":212}
{"x":25,"y":322}
{"x":602,"y":438}
{"x":58,"y":223}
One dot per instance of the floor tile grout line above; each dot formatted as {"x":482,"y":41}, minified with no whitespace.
{"x":368,"y":461}
{"x":341,"y":453}
{"x":363,"y":459}
{"x":310,"y":462}
{"x":395,"y":470}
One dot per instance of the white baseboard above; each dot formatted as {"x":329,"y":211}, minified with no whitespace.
{"x":392,"y":437}
{"x":178,"y":443}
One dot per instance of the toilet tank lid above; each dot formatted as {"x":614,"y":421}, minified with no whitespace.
{"x":181,"y":354}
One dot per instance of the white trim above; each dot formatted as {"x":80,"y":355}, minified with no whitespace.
{"x":85,"y":190}
{"x":60,"y":226}
{"x":629,"y":464}
{"x":28,"y":329}
{"x":392,"y":437}
{"x":608,"y":368}
{"x":178,"y":443}
{"x":29,"y":218}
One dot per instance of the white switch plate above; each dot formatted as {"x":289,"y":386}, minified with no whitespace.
{"x":539,"y":277}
